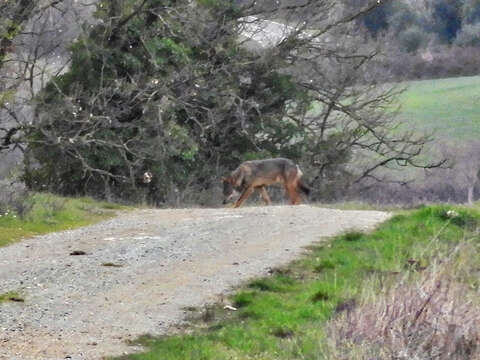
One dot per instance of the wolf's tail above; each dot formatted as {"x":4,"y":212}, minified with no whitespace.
{"x":300,"y":184}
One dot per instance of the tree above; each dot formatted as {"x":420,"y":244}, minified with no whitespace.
{"x":32,"y":49}
{"x":465,"y":169}
{"x":377,"y":20}
{"x":447,"y":18}
{"x":14,"y":15}
{"x":177,"y":90}
{"x":470,"y":12}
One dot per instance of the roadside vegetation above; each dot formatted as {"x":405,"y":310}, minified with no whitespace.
{"x":407,"y":290}
{"x":26,"y":214}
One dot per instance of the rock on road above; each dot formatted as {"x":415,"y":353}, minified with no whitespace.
{"x":141,"y":269}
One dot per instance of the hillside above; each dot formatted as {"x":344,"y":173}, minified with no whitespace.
{"x":450,"y":107}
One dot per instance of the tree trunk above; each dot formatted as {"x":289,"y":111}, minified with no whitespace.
{"x":107,"y":191}
{"x":470,"y":194}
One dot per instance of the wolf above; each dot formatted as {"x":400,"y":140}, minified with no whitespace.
{"x":257,"y":174}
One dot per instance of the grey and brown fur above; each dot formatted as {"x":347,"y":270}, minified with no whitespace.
{"x":257,"y":174}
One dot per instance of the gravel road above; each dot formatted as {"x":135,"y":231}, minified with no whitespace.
{"x":77,"y":307}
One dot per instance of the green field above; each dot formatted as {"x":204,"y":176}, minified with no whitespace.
{"x":450,"y":107}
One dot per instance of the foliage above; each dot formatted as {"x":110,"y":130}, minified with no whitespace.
{"x":173,"y":92}
{"x":148,"y":93}
{"x":376,"y":21}
{"x":447,"y":18}
{"x":412,"y":39}
{"x":413,"y":31}
{"x":469,"y":35}
{"x":285,"y":316}
{"x":471,"y":11}
{"x":173,"y":89}
{"x":443,"y":19}
{"x":160,"y":90}
{"x":14,"y":15}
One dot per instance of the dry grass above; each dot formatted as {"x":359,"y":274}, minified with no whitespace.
{"x":435,"y":315}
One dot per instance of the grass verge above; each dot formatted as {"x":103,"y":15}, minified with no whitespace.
{"x":48,"y":213}
{"x":286,"y":315}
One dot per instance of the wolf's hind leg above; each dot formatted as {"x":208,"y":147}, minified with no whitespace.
{"x":292,"y":194}
{"x":264,"y":194}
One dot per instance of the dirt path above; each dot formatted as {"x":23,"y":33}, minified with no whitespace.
{"x":77,"y":308}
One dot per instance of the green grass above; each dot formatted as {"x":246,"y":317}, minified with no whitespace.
{"x":450,"y":106}
{"x":53,"y":213}
{"x":283,"y":316}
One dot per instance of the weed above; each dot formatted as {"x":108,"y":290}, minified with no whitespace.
{"x":110,"y":264}
{"x":324,"y":265}
{"x":243,"y":299}
{"x":462,"y":219}
{"x":11,"y":296}
{"x":320,"y":295}
{"x":353,"y":236}
{"x":277,"y":283}
{"x":215,"y":327}
{"x":261,"y":284}
{"x":347,"y":305}
{"x":282,"y":333}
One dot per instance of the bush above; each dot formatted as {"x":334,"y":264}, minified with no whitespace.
{"x":14,"y":198}
{"x":412,"y":39}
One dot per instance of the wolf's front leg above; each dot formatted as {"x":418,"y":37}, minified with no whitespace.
{"x":245,"y":194}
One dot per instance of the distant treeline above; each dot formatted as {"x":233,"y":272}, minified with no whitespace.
{"x":426,"y":38}
{"x":420,"y":23}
